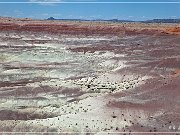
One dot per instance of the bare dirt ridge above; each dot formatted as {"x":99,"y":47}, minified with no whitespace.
{"x":89,"y":77}
{"x":87,"y":28}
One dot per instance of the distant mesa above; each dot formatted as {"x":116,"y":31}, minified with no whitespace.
{"x":51,"y":18}
{"x":163,"y":21}
{"x":117,"y":20}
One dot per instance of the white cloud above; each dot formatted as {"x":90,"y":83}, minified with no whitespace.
{"x":46,"y":2}
{"x":130,"y":16}
{"x":173,"y":17}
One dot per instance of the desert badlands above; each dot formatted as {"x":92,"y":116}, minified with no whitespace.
{"x":78,"y":77}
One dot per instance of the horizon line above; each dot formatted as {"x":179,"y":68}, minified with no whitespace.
{"x":101,"y":19}
{"x":96,"y":132}
{"x":88,"y":19}
{"x":90,"y":2}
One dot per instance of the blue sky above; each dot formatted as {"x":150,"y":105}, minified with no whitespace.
{"x":131,"y":11}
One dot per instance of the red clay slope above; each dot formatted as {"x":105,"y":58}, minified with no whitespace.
{"x":86,"y":28}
